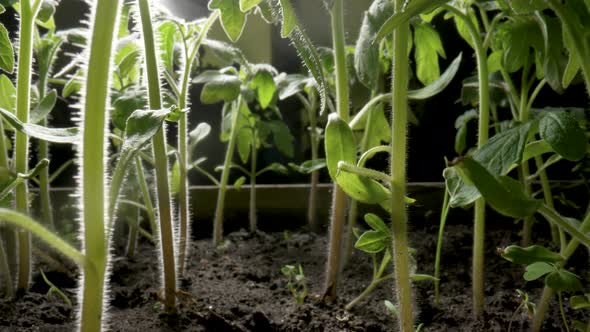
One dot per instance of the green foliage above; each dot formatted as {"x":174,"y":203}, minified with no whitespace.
{"x":297,"y":283}
{"x":54,"y":135}
{"x":563,"y":133}
{"x":530,"y":255}
{"x":6,"y":51}
{"x":428,"y":48}
{"x":233,"y":19}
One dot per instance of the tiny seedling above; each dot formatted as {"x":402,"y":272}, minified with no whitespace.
{"x":55,"y":289}
{"x":296,"y":283}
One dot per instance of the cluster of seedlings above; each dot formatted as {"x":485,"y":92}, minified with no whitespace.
{"x":132,"y":76}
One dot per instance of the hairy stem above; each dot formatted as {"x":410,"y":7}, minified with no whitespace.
{"x":28,"y":13}
{"x":399,"y":218}
{"x":161,"y":161}
{"x":252,"y":209}
{"x":483,"y":125}
{"x":147,"y":200}
{"x":339,"y":197}
{"x":315,"y":175}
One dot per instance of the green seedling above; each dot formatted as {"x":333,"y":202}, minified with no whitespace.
{"x":524,"y":304}
{"x":247,"y":129}
{"x":392,"y":310}
{"x":297,"y":283}
{"x":55,"y":289}
{"x":374,"y":242}
{"x":580,"y":302}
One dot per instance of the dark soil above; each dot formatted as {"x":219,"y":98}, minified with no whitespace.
{"x":241,"y":288}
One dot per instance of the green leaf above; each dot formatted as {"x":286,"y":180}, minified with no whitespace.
{"x":246,"y":5}
{"x":289,"y":21}
{"x":377,"y":224}
{"x":366,"y":54}
{"x":461,"y":124}
{"x":224,"y":88}
{"x":563,"y":280}
{"x":141,"y":126}
{"x":73,"y":85}
{"x":526,"y":6}
{"x":428,"y":48}
{"x":166,"y":32}
{"x":220,"y":54}
{"x":265,"y":87}
{"x":309,"y":166}
{"x":290,"y":85}
{"x":537,"y":270}
{"x":244,"y":128}
{"x":422,"y":277}
{"x":414,"y":8}
{"x":580,"y":302}
{"x":2,"y":9}
{"x":200,"y":132}
{"x":54,"y":135}
{"x":562,"y":131}
{"x":439,"y":84}
{"x":530,"y":255}
{"x":274,"y":167}
{"x":555,"y":60}
{"x":461,"y":194}
{"x":240,"y":182}
{"x":123,"y":105}
{"x":372,"y":242}
{"x":233,"y":19}
{"x":502,"y":193}
{"x":339,"y":144}
{"x":44,"y":107}
{"x":282,"y":138}
{"x":46,"y":11}
{"x":7,"y":94}
{"x":6,"y":51}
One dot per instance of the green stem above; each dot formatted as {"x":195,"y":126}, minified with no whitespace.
{"x":441,"y":231}
{"x":183,"y":160}
{"x":218,"y":221}
{"x":134,"y":226}
{"x":94,"y":168}
{"x":161,"y":161}
{"x":399,"y":219}
{"x":483,"y":127}
{"x":315,"y":175}
{"x":338,"y":196}
{"x":252,"y":210}
{"x":5,"y":276}
{"x":374,"y":283}
{"x":562,"y":312}
{"x":28,"y":13}
{"x":147,"y":200}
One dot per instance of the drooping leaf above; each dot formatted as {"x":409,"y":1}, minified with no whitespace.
{"x":289,"y":85}
{"x":233,"y":19}
{"x":73,"y":85}
{"x":124,"y":104}
{"x":502,"y":193}
{"x":460,"y":194}
{"x":224,"y":88}
{"x":537,"y":270}
{"x":461,"y":124}
{"x":54,"y":135}
{"x":555,"y":61}
{"x":530,"y":255}
{"x":282,"y":137}
{"x":6,"y":51}
{"x":562,"y":131}
{"x":274,"y":167}
{"x":580,"y":302}
{"x":428,"y":46}
{"x":220,"y":54}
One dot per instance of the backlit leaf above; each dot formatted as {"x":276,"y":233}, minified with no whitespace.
{"x":537,"y":270}
{"x":233,"y":19}
{"x":6,"y":51}
{"x":562,"y":131}
{"x":54,"y":135}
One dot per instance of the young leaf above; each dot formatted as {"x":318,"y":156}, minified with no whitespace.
{"x":563,"y":280}
{"x":537,"y":270}
{"x":265,"y":87}
{"x":224,"y":88}
{"x":282,"y":137}
{"x":240,"y":182}
{"x":562,"y":131}
{"x":428,"y":48}
{"x":54,"y":135}
{"x":377,"y":223}
{"x":201,"y":131}
{"x":422,"y":277}
{"x":580,"y":302}
{"x":167,"y":31}
{"x":124,"y":104}
{"x":502,"y":193}
{"x":339,"y":144}
{"x":6,"y":51}
{"x":372,"y":242}
{"x":44,"y":107}
{"x":439,"y":84}
{"x":309,"y":166}
{"x":45,"y":12}
{"x":246,"y":5}
{"x":274,"y":167}
{"x":530,"y":255}
{"x":233,"y":19}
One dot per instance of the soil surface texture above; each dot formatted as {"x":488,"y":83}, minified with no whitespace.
{"x":241,"y":288}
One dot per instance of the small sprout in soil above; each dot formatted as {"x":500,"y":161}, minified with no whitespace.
{"x":296,"y":283}
{"x":55,"y":289}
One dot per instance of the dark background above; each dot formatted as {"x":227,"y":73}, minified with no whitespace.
{"x":429,"y":142}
